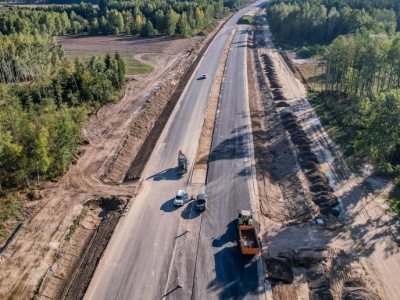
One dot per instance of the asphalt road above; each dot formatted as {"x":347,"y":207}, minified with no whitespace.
{"x":159,"y":250}
{"x":222,"y":272}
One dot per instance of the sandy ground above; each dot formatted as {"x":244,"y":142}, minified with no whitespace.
{"x":36,"y":247}
{"x":353,"y":255}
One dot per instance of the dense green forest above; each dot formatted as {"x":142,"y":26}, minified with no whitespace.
{"x":359,"y":50}
{"x":44,"y":101}
{"x":321,"y":21}
{"x":165,"y":17}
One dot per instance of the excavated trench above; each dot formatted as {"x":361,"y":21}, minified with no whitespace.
{"x":112,"y":209}
{"x":70,"y":275}
{"x":280,"y":151}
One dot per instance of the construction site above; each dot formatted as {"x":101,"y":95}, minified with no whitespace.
{"x":325,"y":231}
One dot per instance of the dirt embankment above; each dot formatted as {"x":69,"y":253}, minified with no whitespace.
{"x":74,"y":265}
{"x":307,"y":253}
{"x":156,"y":125}
{"x":40,"y":261}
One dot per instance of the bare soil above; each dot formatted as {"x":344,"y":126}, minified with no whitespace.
{"x":302,"y":177}
{"x":42,"y":244}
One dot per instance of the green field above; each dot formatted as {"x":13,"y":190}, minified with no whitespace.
{"x":133,"y":66}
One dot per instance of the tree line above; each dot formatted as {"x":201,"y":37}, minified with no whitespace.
{"x":44,"y":101}
{"x":364,"y":71}
{"x":163,"y":17}
{"x":360,"y":55}
{"x":315,"y":23}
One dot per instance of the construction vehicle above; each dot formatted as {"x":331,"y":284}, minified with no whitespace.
{"x":182,"y":163}
{"x":248,"y":239}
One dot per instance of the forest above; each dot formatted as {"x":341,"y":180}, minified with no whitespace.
{"x":138,"y":17}
{"x":359,"y":50}
{"x":45,"y":98}
{"x":44,"y":101}
{"x":319,"y":22}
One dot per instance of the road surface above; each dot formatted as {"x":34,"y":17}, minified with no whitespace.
{"x":158,"y":250}
{"x":222,"y":272}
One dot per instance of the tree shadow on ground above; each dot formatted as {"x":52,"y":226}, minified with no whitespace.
{"x":169,"y":206}
{"x":384,"y":227}
{"x":167,"y":174}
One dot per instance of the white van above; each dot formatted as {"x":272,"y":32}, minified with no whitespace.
{"x":181,"y":198}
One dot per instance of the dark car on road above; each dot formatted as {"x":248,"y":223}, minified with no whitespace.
{"x":201,"y":202}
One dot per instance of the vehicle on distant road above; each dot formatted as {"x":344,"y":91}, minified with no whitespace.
{"x":182,"y":163}
{"x":181,"y":198}
{"x":201,"y":202}
{"x":248,"y":239}
{"x":204,"y":76}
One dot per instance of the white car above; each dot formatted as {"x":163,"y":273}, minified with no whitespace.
{"x":181,"y":198}
{"x":204,"y":76}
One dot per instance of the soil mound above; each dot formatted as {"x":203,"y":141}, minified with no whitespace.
{"x":288,"y":115}
{"x":34,"y":195}
{"x":359,"y":293}
{"x":326,"y":211}
{"x":318,"y":187}
{"x":282,"y":104}
{"x":279,"y":270}
{"x":326,"y":200}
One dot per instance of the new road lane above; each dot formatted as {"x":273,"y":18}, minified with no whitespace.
{"x":222,"y":272}
{"x":145,"y":258}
